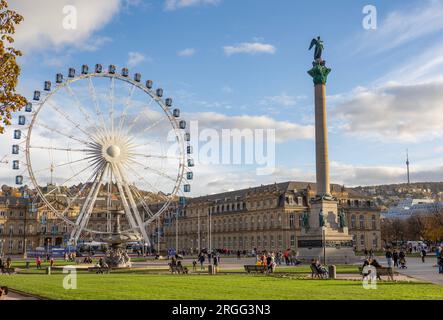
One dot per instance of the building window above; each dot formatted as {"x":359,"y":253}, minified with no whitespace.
{"x":374,"y":241}
{"x":374,"y":224}
{"x":362,"y":222}
{"x":293,"y":240}
{"x":291,"y":220}
{"x":353,"y":222}
{"x":362,"y":239}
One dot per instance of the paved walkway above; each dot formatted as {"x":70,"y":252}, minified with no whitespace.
{"x":427,"y":271}
{"x":16,"y":296}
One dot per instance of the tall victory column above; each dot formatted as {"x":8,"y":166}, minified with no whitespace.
{"x":324,"y":232}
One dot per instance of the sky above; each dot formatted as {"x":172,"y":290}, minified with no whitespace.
{"x":242,"y":64}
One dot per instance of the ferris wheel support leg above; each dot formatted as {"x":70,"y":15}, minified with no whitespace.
{"x":89,"y":205}
{"x":123,"y":198}
{"x":135,"y":211}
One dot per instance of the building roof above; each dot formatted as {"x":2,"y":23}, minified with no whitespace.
{"x":281,"y":187}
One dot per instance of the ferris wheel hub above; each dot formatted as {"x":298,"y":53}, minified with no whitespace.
{"x":113,"y":151}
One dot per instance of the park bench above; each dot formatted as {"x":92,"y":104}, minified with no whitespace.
{"x":316,"y":274}
{"x":8,"y":270}
{"x":255,"y":268}
{"x":99,"y":270}
{"x":388,"y":272}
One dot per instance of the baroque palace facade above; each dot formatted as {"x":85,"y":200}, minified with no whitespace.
{"x":266,"y":218}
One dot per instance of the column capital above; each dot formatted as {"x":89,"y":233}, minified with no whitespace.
{"x":319,"y":72}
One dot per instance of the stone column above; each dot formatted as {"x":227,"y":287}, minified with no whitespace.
{"x":319,"y":73}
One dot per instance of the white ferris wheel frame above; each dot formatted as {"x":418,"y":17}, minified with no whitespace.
{"x":137,"y":222}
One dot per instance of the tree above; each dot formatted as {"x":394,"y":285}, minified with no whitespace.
{"x":10,"y":100}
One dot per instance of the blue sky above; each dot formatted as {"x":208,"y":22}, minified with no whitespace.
{"x":249,"y":58}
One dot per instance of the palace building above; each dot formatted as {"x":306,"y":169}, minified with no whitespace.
{"x":266,"y":218}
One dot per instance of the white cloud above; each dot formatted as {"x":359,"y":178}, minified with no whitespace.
{"x":250,"y":48}
{"x":135,"y":58}
{"x":43,"y":24}
{"x":394,"y":112}
{"x":284,"y":130}
{"x":188,"y":52}
{"x":178,"y":4}
{"x":404,"y":26}
{"x":280,"y":100}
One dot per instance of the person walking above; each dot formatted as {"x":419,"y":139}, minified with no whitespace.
{"x":389,"y":258}
{"x":423,"y":255}
{"x":38,"y":262}
{"x":201,"y":259}
{"x":395,"y":258}
{"x":8,"y":263}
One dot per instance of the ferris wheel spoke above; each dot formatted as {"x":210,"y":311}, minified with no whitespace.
{"x":141,"y":200}
{"x":68,"y":118}
{"x":111,"y":101}
{"x":79,"y":193}
{"x":140,"y":178}
{"x":126,"y":108}
{"x":153,"y":125}
{"x":93,"y":94}
{"x":79,"y":105}
{"x":158,"y":172}
{"x":63,"y":134}
{"x":155,"y":156}
{"x":138,"y":117}
{"x":58,"y":149}
{"x":69,"y":179}
{"x":62,"y":164}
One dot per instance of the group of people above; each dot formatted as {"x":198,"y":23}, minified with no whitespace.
{"x":70,"y":257}
{"x":268,"y":261}
{"x":212,"y":257}
{"x":5,"y":264}
{"x":396,"y":259}
{"x":38,"y":261}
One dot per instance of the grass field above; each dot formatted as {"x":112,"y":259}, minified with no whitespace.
{"x":235,"y":286}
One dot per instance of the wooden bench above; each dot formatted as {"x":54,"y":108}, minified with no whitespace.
{"x":255,"y":268}
{"x":388,"y":272}
{"x":316,"y":274}
{"x":8,"y":270}
{"x":99,"y":270}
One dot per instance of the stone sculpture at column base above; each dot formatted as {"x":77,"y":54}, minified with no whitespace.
{"x":330,"y":241}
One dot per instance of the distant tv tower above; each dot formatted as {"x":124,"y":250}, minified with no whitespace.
{"x":407,"y":166}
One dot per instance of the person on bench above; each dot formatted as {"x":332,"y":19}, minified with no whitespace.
{"x":321,"y":270}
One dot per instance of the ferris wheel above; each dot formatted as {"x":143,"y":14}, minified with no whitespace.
{"x":101,"y":138}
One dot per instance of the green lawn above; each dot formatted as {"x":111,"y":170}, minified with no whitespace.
{"x":235,"y":286}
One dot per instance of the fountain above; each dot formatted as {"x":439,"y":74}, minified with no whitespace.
{"x":117,"y":257}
